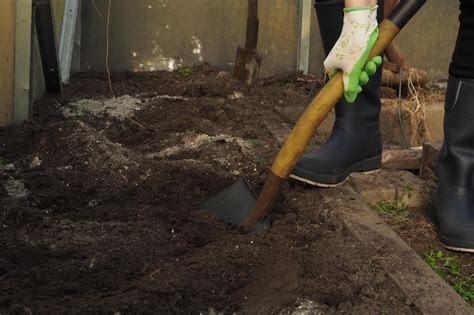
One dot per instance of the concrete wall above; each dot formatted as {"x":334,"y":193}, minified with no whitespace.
{"x":427,"y":41}
{"x":164,"y":34}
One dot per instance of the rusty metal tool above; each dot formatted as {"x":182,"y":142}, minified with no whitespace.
{"x":248,"y":61}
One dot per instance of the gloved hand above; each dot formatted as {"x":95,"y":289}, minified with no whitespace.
{"x":351,"y":51}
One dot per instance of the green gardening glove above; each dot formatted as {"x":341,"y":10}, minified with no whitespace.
{"x":351,"y":51}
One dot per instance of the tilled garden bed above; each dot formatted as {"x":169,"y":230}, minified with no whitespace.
{"x":99,"y":206}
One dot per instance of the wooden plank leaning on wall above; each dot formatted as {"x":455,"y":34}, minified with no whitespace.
{"x":22,"y":94}
{"x":7,"y":60}
{"x":15,"y":61}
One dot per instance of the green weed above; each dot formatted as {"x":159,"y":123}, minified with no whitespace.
{"x":398,"y":207}
{"x":465,"y":289}
{"x":212,"y":312}
{"x":394,"y":208}
{"x":253,"y":142}
{"x":185,"y":71}
{"x":408,"y":186}
{"x":3,"y":161}
{"x":260,"y":160}
{"x":448,"y":268}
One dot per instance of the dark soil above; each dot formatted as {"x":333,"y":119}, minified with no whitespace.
{"x":95,"y":217}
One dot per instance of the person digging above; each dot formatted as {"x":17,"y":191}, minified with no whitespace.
{"x":349,"y":30}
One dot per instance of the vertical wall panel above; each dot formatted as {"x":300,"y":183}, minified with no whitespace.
{"x":7,"y":56}
{"x":22,"y":99}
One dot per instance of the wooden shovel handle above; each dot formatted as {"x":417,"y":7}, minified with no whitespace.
{"x":317,"y":110}
{"x":321,"y":105}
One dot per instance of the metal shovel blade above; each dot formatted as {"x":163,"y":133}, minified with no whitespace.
{"x":247,"y":65}
{"x":233,"y":205}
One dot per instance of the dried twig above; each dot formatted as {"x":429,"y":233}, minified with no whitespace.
{"x":411,"y":88}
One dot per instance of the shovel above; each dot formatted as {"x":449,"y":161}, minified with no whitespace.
{"x":237,"y":204}
{"x":247,"y":61}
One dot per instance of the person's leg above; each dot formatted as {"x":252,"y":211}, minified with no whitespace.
{"x":355,"y":143}
{"x":454,"y":207}
{"x":462,"y":65}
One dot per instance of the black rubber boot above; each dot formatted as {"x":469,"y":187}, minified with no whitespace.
{"x":453,"y":210}
{"x":355,"y":144}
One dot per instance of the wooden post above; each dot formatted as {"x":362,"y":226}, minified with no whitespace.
{"x":7,"y":59}
{"x":23,"y":40}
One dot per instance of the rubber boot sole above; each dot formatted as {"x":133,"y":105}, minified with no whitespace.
{"x":456,"y":248}
{"x":447,"y":242}
{"x":366,"y":166}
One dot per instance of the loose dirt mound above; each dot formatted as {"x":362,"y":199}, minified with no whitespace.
{"x":109,"y":218}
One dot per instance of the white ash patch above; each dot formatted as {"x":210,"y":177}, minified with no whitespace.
{"x":96,"y":150}
{"x":120,"y":107}
{"x":16,"y":189}
{"x":36,"y":162}
{"x":7,"y":167}
{"x":86,"y":146}
{"x":194,"y":141}
{"x":305,"y":307}
{"x":92,"y":107}
{"x":236,"y":95}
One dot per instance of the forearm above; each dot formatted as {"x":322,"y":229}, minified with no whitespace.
{"x":359,"y":3}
